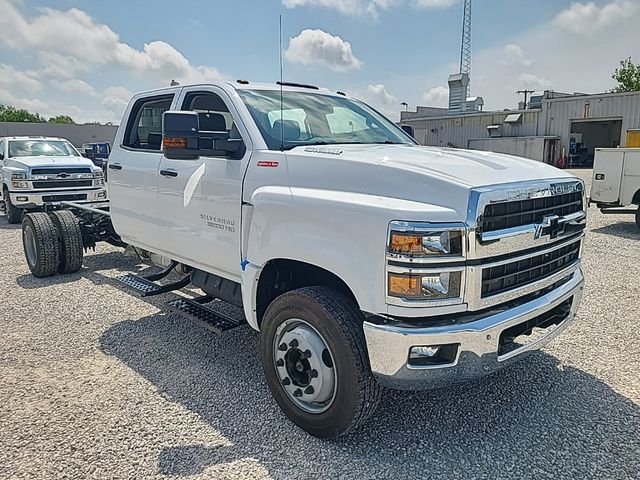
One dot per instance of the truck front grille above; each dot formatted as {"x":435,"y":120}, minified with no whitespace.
{"x":58,"y":170}
{"x":63,"y":198}
{"x":54,"y":184}
{"x":499,"y":216}
{"x":502,"y":278}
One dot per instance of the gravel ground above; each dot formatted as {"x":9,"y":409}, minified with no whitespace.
{"x":97,"y":383}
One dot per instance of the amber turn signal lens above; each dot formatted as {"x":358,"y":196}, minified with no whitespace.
{"x":405,"y":243}
{"x":174,"y":143}
{"x":406,"y":286}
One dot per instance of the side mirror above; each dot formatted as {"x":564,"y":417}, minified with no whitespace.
{"x":408,"y":129}
{"x":1,"y":156}
{"x":182,"y":138}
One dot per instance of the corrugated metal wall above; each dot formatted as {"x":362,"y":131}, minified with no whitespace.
{"x":560,"y":112}
{"x":553,"y":120}
{"x":456,"y":130}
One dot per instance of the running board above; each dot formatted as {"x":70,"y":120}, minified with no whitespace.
{"x":197,"y":310}
{"x":149,"y":288}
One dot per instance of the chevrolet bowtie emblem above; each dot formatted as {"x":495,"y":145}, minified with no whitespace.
{"x":550,"y":225}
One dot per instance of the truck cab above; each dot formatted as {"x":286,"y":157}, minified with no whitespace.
{"x":363,"y":259}
{"x":35,"y":171}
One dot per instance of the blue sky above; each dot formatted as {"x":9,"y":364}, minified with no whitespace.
{"x":85,"y":58}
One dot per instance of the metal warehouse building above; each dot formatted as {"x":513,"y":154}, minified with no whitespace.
{"x":555,"y":128}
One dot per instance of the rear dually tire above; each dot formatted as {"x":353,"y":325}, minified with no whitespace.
{"x":41,"y":246}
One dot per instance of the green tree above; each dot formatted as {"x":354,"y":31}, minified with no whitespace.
{"x":12,"y":114}
{"x":65,"y":119}
{"x":627,"y":76}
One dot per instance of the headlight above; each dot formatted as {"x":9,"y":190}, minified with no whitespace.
{"x":425,"y":286}
{"x":415,"y":240}
{"x":18,"y":180}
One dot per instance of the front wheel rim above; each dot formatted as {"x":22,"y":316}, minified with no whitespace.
{"x":30,"y":245}
{"x":304,"y":366}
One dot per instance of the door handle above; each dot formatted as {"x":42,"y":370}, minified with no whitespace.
{"x":115,"y":166}
{"x":168,"y":173}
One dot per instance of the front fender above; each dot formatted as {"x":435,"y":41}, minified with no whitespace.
{"x":342,"y":232}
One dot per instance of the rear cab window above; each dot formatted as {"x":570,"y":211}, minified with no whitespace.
{"x":144,"y":126}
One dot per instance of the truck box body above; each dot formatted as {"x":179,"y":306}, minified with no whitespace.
{"x":616,"y":176}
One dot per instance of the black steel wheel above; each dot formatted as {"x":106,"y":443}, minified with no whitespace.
{"x":41,"y":246}
{"x":70,"y":240}
{"x":315,"y":361}
{"x":14,"y":214}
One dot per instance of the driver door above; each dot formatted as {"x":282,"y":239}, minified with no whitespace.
{"x":200,"y":200}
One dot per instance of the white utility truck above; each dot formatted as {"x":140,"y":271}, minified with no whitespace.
{"x":35,"y":171}
{"x":616,"y":181}
{"x":364,"y":259}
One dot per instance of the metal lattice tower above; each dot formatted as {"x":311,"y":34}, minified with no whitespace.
{"x":465,"y":49}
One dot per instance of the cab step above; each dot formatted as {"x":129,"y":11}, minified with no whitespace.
{"x":208,"y":312}
{"x":149,"y":288}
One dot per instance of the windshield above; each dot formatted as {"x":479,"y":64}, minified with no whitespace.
{"x":36,"y":148}
{"x":315,"y":119}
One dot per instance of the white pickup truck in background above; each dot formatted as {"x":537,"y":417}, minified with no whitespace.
{"x":363,"y":259}
{"x":35,"y":171}
{"x":616,"y":181}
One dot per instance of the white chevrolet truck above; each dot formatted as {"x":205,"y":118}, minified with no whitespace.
{"x":35,"y":171}
{"x":363,"y":259}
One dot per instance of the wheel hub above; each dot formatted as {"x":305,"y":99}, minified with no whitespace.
{"x":304,"y":366}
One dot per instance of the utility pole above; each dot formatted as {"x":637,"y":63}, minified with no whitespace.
{"x":526,"y":96}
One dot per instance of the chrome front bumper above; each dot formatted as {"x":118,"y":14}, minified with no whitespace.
{"x":36,"y":198}
{"x":477,"y":341}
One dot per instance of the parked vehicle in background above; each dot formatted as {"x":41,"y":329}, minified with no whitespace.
{"x":616,"y":181}
{"x":44,"y":170}
{"x":97,"y":152}
{"x":363,"y":259}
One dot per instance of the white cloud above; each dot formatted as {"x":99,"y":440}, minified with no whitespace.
{"x":74,"y":85}
{"x":514,"y":55}
{"x":15,"y":79}
{"x":536,"y":82}
{"x":379,"y":97}
{"x":368,"y":7}
{"x":317,"y":47}
{"x":115,"y":100}
{"x":382,"y":96}
{"x":434,"y":3}
{"x":71,"y":41}
{"x":436,"y":96}
{"x":564,"y":61}
{"x":585,"y":18}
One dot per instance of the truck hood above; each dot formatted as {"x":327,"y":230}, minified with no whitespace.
{"x":471,"y":168}
{"x":442,"y":177}
{"x":44,"y":161}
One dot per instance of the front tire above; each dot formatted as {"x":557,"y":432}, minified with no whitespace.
{"x":638,"y":216}
{"x":315,"y":361}
{"x":14,"y":214}
{"x":41,"y":247}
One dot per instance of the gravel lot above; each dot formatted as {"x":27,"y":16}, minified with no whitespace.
{"x":97,"y":383}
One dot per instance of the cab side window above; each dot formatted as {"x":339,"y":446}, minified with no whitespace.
{"x":213,"y":112}
{"x":144,"y":128}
